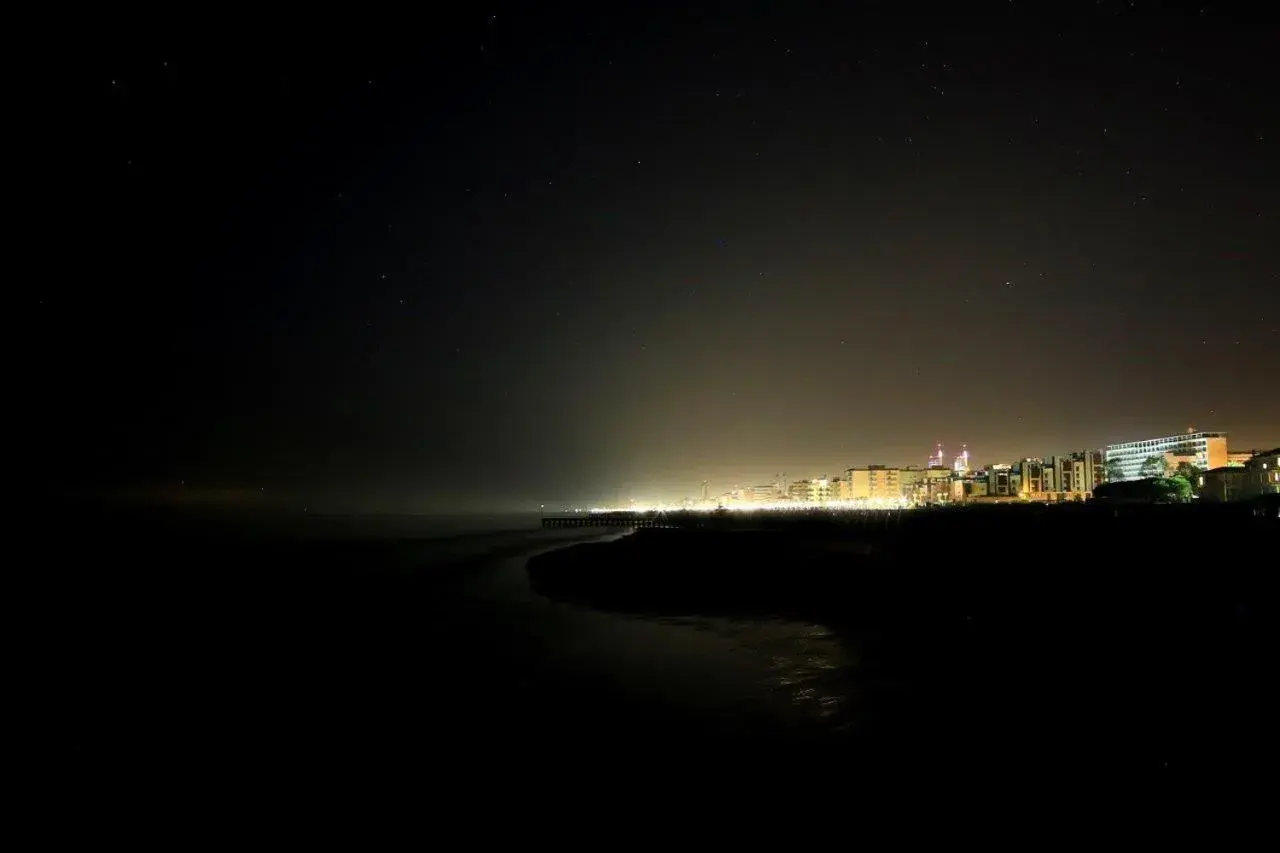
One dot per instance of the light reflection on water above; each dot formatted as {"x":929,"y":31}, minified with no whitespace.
{"x":736,"y":675}
{"x":802,"y":671}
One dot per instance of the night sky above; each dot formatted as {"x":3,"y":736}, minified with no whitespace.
{"x":529,"y":254}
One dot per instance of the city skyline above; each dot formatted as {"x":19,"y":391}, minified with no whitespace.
{"x":673,"y":495}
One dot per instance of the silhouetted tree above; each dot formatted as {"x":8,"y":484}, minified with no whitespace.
{"x":1176,"y":488}
{"x":1114,"y":474}
{"x":1190,"y":473}
{"x":1154,"y":466}
{"x":1146,"y":490}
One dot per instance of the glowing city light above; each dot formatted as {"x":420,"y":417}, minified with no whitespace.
{"x":764,"y":506}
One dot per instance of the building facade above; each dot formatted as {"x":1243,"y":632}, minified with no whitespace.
{"x":1208,"y":449}
{"x":1240,"y":457}
{"x":767,"y":493}
{"x":1258,"y":477}
{"x":874,"y":482}
{"x":1227,"y":483}
{"x":815,"y":490}
{"x":1033,"y":480}
{"x":934,"y":487}
{"x":1264,"y":471}
{"x":911,"y":480}
{"x":1077,"y":474}
{"x":1001,"y":482}
{"x":840,"y":489}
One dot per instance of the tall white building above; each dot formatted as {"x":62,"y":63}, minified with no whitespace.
{"x":1209,"y":449}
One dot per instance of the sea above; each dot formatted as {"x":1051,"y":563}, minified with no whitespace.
{"x":349,"y":640}
{"x":717,"y":676}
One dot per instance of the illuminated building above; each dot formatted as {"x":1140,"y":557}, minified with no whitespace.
{"x":1033,"y":479}
{"x":937,"y":460}
{"x":926,"y":485}
{"x":910,"y":484}
{"x":1066,"y":477}
{"x":935,"y":486}
{"x":961,"y":463}
{"x":1077,"y":474}
{"x":1000,"y":481}
{"x":1072,"y":476}
{"x":970,"y":487}
{"x":1240,"y":457}
{"x":1207,"y":449}
{"x":767,"y":493}
{"x":911,"y":480}
{"x":840,"y":489}
{"x":815,"y":490}
{"x":1235,"y":459}
{"x":1265,"y":472}
{"x":874,"y":482}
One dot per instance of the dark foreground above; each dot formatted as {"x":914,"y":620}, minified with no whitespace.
{"x":1056,"y":647}
{"x":1084,"y":643}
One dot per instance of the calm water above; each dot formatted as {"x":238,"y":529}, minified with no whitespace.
{"x":735,"y":677}
{"x":400,"y":636}
{"x":304,"y":526}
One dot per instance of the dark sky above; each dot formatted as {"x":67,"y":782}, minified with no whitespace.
{"x":540,"y":254}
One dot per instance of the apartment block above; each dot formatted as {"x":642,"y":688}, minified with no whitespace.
{"x":874,"y":482}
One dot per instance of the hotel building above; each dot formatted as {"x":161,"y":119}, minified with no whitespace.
{"x":1207,"y":449}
